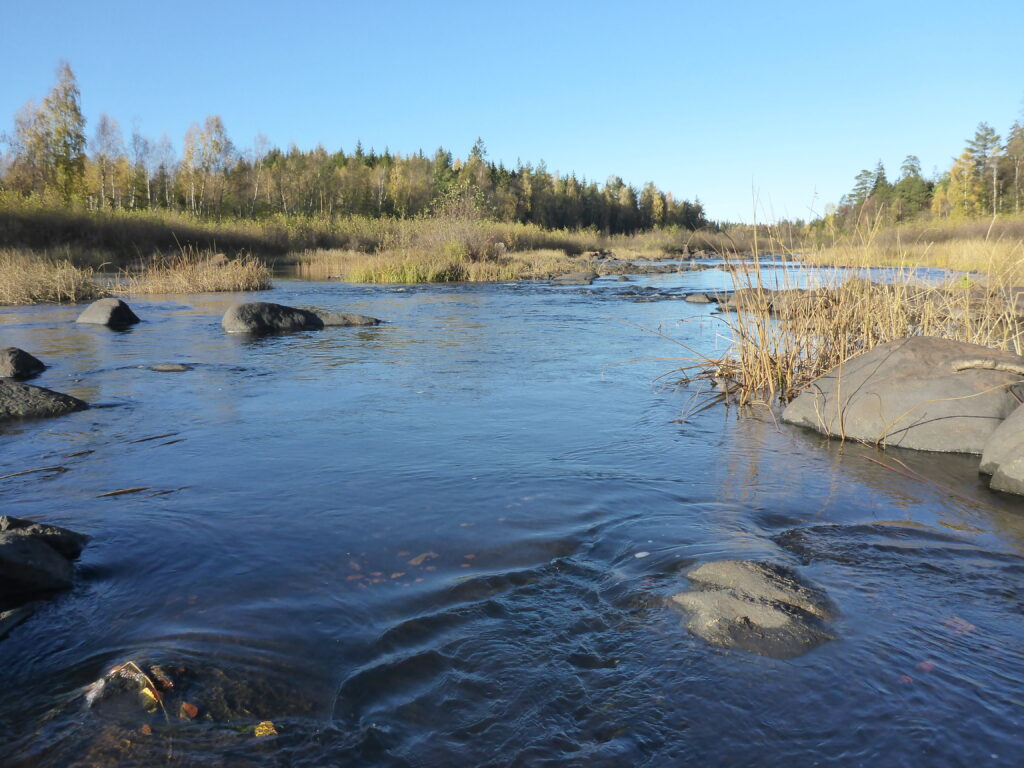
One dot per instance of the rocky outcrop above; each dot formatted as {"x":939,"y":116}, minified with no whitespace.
{"x":925,"y":393}
{"x":23,"y":401}
{"x":762,"y":608}
{"x":18,"y":364}
{"x":35,"y":557}
{"x":1003,"y":457}
{"x":261,"y":318}
{"x":110,"y":312}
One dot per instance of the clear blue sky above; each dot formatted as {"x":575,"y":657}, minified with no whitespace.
{"x":714,"y":100}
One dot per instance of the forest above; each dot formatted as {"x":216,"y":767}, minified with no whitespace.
{"x":49,"y":158}
{"x":984,"y":180}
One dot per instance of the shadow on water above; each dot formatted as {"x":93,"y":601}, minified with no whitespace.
{"x":452,"y":539}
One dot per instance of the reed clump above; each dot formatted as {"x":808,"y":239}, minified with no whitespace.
{"x":194,"y":271}
{"x":33,"y":278}
{"x":786,"y":333}
{"x":413,"y":265}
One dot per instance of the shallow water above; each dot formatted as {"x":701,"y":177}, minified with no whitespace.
{"x":417,"y":544}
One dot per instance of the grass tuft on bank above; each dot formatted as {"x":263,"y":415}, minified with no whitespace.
{"x":33,"y":278}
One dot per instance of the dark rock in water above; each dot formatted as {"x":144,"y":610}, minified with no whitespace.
{"x":66,"y":542}
{"x":170,"y":367}
{"x":23,"y":401}
{"x":260,"y":318}
{"x":622,"y":279}
{"x":35,"y":557}
{"x":575,"y":278}
{"x":29,"y":564}
{"x":18,"y":364}
{"x":763,"y":608}
{"x":924,"y":393}
{"x":342,"y":319}
{"x":1003,"y":457}
{"x":110,"y":312}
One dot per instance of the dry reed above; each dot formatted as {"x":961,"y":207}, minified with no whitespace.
{"x":781,"y":338}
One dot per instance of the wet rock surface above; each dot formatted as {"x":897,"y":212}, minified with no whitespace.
{"x":261,"y":318}
{"x":18,"y":364}
{"x":110,"y":312}
{"x":170,"y":367}
{"x":24,"y":401}
{"x":924,"y":393}
{"x":759,"y":607}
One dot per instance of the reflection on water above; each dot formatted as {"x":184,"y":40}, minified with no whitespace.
{"x":416,"y":544}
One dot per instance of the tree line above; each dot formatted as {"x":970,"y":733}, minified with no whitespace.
{"x":48,"y":156}
{"x":985,"y":179}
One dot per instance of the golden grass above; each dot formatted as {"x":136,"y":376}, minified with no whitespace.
{"x":1002,"y":258}
{"x":778,"y":343}
{"x":192,"y":271}
{"x":414,"y":265}
{"x":32,"y":278}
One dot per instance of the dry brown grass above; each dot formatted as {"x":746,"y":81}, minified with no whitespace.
{"x":192,"y":271}
{"x":781,"y":342}
{"x":33,"y":278}
{"x":414,"y":265}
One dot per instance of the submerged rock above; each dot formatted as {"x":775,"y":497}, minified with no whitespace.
{"x":699,"y":298}
{"x":925,"y":393}
{"x":763,"y":608}
{"x":575,"y":278}
{"x":170,"y":367}
{"x":110,"y":312}
{"x":341,"y":319}
{"x":24,"y":401}
{"x":18,"y":364}
{"x":260,"y":318}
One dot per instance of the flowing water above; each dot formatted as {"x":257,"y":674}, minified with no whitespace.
{"x":452,"y":539}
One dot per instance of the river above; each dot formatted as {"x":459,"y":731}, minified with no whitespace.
{"x":452,"y":539}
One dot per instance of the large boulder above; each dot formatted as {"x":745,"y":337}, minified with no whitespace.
{"x":260,"y":318}
{"x":18,"y":364}
{"x":110,"y":312}
{"x":762,"y":608}
{"x":925,"y":393}
{"x":1003,"y":457}
{"x":23,"y":401}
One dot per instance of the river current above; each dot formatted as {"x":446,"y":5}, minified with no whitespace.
{"x":452,"y":539}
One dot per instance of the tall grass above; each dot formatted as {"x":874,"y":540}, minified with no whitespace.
{"x":27,"y":278}
{"x":193,"y":271}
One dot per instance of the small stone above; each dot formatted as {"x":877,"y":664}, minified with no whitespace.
{"x":170,"y":367}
